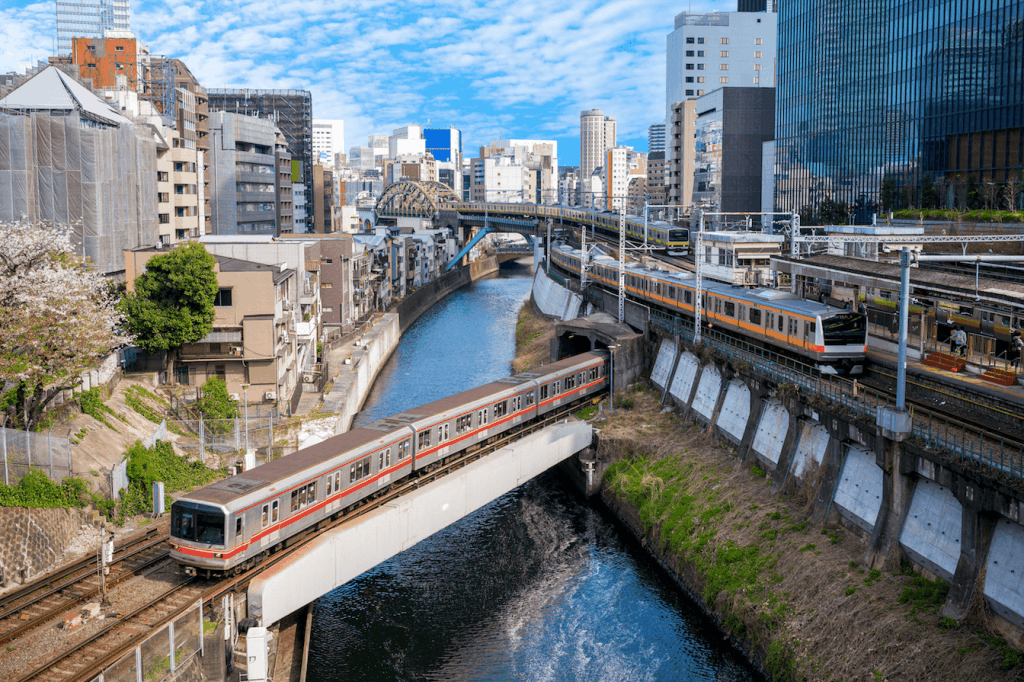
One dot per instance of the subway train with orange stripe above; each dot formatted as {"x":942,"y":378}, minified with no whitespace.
{"x":834,"y":340}
{"x":234,"y":523}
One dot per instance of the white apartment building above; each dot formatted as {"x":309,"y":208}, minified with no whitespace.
{"x":597,"y":133}
{"x":711,"y":50}
{"x":540,"y":159}
{"x":406,"y":140}
{"x":328,"y":140}
{"x":616,"y":169}
{"x":499,"y":179}
{"x":299,"y":213}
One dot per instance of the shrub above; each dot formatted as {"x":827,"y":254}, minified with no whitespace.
{"x":215,"y":402}
{"x":36,"y":490}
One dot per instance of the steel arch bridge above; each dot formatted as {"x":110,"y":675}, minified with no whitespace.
{"x":414,"y":199}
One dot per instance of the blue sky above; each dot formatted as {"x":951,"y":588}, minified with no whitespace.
{"x":522,"y":68}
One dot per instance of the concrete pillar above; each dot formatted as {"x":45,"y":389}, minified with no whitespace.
{"x":758,"y":393}
{"x":897,"y":488}
{"x":975,"y":535}
{"x":789,"y":446}
{"x":833,"y":467}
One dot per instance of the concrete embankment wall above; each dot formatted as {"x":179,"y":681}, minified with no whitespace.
{"x":950,"y":518}
{"x":354,"y":380}
{"x":554,"y":299}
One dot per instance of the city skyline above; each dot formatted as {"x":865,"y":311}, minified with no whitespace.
{"x":514,"y":69}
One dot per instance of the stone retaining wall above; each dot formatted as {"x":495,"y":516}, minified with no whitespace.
{"x":32,"y":540}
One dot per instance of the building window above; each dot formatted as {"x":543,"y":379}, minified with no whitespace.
{"x":757,"y":67}
{"x":700,"y":93}
{"x":725,"y":53}
{"x":723,"y":67}
{"x":179,"y":211}
{"x":723,"y":79}
{"x":689,"y":93}
{"x":700,"y":53}
{"x":700,"y":67}
{"x":700,"y":79}
{"x":700,"y":41}
{"x":757,"y":41}
{"x":161,"y":176}
{"x":689,"y":67}
{"x":689,"y":41}
{"x":165,"y":218}
{"x":326,"y":285}
{"x":725,"y":41}
{"x":689,"y":53}
{"x":222,"y":299}
{"x":328,"y":309}
{"x":757,"y":80}
{"x":689,"y":79}
{"x":757,"y":54}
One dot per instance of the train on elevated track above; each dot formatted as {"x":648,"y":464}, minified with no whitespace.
{"x":662,"y":236}
{"x":235,"y":523}
{"x":834,"y":340}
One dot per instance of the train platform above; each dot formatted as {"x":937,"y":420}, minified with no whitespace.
{"x":959,"y":374}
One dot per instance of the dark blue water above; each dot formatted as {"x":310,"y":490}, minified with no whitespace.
{"x":535,"y":586}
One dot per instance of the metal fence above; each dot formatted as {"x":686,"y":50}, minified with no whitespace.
{"x":224,"y":436}
{"x":24,"y":450}
{"x":936,"y":430}
{"x":162,"y":653}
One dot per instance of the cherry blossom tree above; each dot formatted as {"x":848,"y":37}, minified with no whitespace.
{"x":59,"y":318}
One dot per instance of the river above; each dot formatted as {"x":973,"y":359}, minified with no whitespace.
{"x":537,"y":585}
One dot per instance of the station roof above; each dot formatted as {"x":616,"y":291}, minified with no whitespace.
{"x":883,"y":275}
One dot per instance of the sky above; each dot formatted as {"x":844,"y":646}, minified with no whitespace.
{"x":521,"y":69}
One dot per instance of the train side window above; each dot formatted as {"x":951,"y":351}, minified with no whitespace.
{"x":295,"y":499}
{"x":238,"y":528}
{"x":688,"y":297}
{"x":543,"y":392}
{"x":730,"y":309}
{"x":273,"y":512}
{"x":387,"y":457}
{"x":311,"y":493}
{"x":440,"y":434}
{"x":529,"y":398}
{"x":755,"y":316}
{"x":337,"y":481}
{"x":672,"y":292}
{"x":302,"y":497}
{"x":266,"y":515}
{"x":380,"y":461}
{"x":366,"y":466}
{"x":352,"y":474}
{"x":782,"y":319}
{"x":403,"y":449}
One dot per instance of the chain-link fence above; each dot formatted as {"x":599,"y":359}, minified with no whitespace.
{"x":204,"y":437}
{"x":24,"y":450}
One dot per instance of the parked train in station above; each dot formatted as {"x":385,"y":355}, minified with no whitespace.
{"x":234,"y":523}
{"x":660,"y":235}
{"x":834,"y":340}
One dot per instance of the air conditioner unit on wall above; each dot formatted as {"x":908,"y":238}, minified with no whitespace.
{"x":233,"y":396}
{"x":270,"y":395}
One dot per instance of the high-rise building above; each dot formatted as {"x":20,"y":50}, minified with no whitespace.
{"x":679,"y":163}
{"x":731,"y":125}
{"x":597,"y":134}
{"x":445,"y":145}
{"x":656,"y":179}
{"x":328,"y":140}
{"x":89,"y":19}
{"x":655,"y":138}
{"x":864,"y":120}
{"x":711,"y":50}
{"x":244,"y":176}
{"x":291,"y":111}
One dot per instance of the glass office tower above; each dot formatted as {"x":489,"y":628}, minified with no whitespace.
{"x":885,"y":104}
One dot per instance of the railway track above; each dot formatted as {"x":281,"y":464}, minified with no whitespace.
{"x":43,"y":600}
{"x":87,"y":659}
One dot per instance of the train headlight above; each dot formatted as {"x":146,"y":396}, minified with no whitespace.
{"x":218,"y":555}
{"x":173,"y":546}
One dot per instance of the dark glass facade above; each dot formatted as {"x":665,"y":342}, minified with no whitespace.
{"x":908,"y":103}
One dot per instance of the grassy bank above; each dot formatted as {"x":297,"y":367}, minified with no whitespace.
{"x":534,"y":332}
{"x":792,"y":591}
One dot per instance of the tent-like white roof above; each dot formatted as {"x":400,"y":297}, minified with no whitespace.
{"x":52,"y":89}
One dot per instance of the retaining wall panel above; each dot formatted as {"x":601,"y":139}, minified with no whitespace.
{"x":859,"y":493}
{"x":663,"y":365}
{"x":1004,"y":572}
{"x":735,"y":412}
{"x":932,"y":528}
{"x":682,"y":382}
{"x":708,"y":390}
{"x":813,"y":444}
{"x":772,"y":429}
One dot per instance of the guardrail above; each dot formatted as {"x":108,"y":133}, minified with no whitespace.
{"x":935,"y":429}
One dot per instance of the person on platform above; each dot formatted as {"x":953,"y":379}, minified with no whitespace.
{"x":960,"y":342}
{"x":1016,"y":349}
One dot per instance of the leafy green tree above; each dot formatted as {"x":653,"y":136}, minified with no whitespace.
{"x":889,"y":193}
{"x":832,"y":212}
{"x":173,"y":300}
{"x":215,"y":403}
{"x":929,"y":193}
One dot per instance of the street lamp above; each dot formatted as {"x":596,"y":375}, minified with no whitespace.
{"x":611,"y":374}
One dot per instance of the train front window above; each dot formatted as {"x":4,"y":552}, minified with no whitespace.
{"x":197,"y":522}
{"x":210,"y":529}
{"x":677,"y":235}
{"x":844,"y":329}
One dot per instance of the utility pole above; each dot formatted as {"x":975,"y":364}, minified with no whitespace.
{"x":698,"y":261}
{"x":622,"y":265}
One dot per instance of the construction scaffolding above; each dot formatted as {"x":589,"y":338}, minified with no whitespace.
{"x":291,"y":111}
